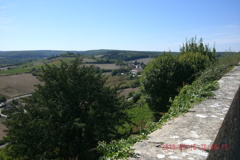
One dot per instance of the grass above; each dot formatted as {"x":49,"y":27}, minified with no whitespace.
{"x":139,"y":117}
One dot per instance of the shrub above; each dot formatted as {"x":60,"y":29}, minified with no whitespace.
{"x":160,"y":81}
{"x":192,"y":64}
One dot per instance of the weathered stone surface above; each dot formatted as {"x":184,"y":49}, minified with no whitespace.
{"x":210,"y":130}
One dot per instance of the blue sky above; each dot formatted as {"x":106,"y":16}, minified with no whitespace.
{"x":146,"y":25}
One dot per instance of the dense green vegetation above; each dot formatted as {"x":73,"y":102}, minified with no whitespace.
{"x":192,"y":46}
{"x":66,"y":117}
{"x":160,"y":80}
{"x":128,"y":55}
{"x":165,"y":75}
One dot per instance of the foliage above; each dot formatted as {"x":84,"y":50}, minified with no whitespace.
{"x":188,"y":96}
{"x":136,"y":97}
{"x":192,"y":64}
{"x":202,"y":87}
{"x":223,"y":65}
{"x":2,"y":99}
{"x":128,"y":55}
{"x":192,"y":46}
{"x":3,"y":156}
{"x":160,"y":80}
{"x":164,"y":76}
{"x":135,"y":83}
{"x":66,"y":116}
{"x":120,"y":149}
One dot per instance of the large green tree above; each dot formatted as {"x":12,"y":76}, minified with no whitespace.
{"x":67,"y":115}
{"x":164,"y":76}
{"x":160,"y":81}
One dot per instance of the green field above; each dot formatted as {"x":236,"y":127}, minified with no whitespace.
{"x":35,"y":65}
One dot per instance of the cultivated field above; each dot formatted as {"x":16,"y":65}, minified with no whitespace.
{"x":16,"y":85}
{"x":88,"y":60}
{"x":28,"y":67}
{"x":105,"y":66}
{"x":144,"y":60}
{"x":126,"y":91}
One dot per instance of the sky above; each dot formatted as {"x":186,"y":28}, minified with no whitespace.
{"x":142,"y":25}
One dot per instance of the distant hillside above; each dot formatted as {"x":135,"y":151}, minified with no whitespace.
{"x":29,"y":54}
{"x":48,"y":53}
{"x":108,"y":53}
{"x":9,"y":58}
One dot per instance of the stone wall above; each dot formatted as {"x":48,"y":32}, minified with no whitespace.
{"x":229,"y":132}
{"x":210,"y":130}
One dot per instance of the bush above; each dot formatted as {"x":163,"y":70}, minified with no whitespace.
{"x":160,"y":81}
{"x":192,"y":64}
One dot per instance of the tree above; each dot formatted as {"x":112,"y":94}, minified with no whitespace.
{"x":192,"y":64}
{"x":67,"y":115}
{"x":165,"y":75}
{"x":192,"y":46}
{"x":160,"y":80}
